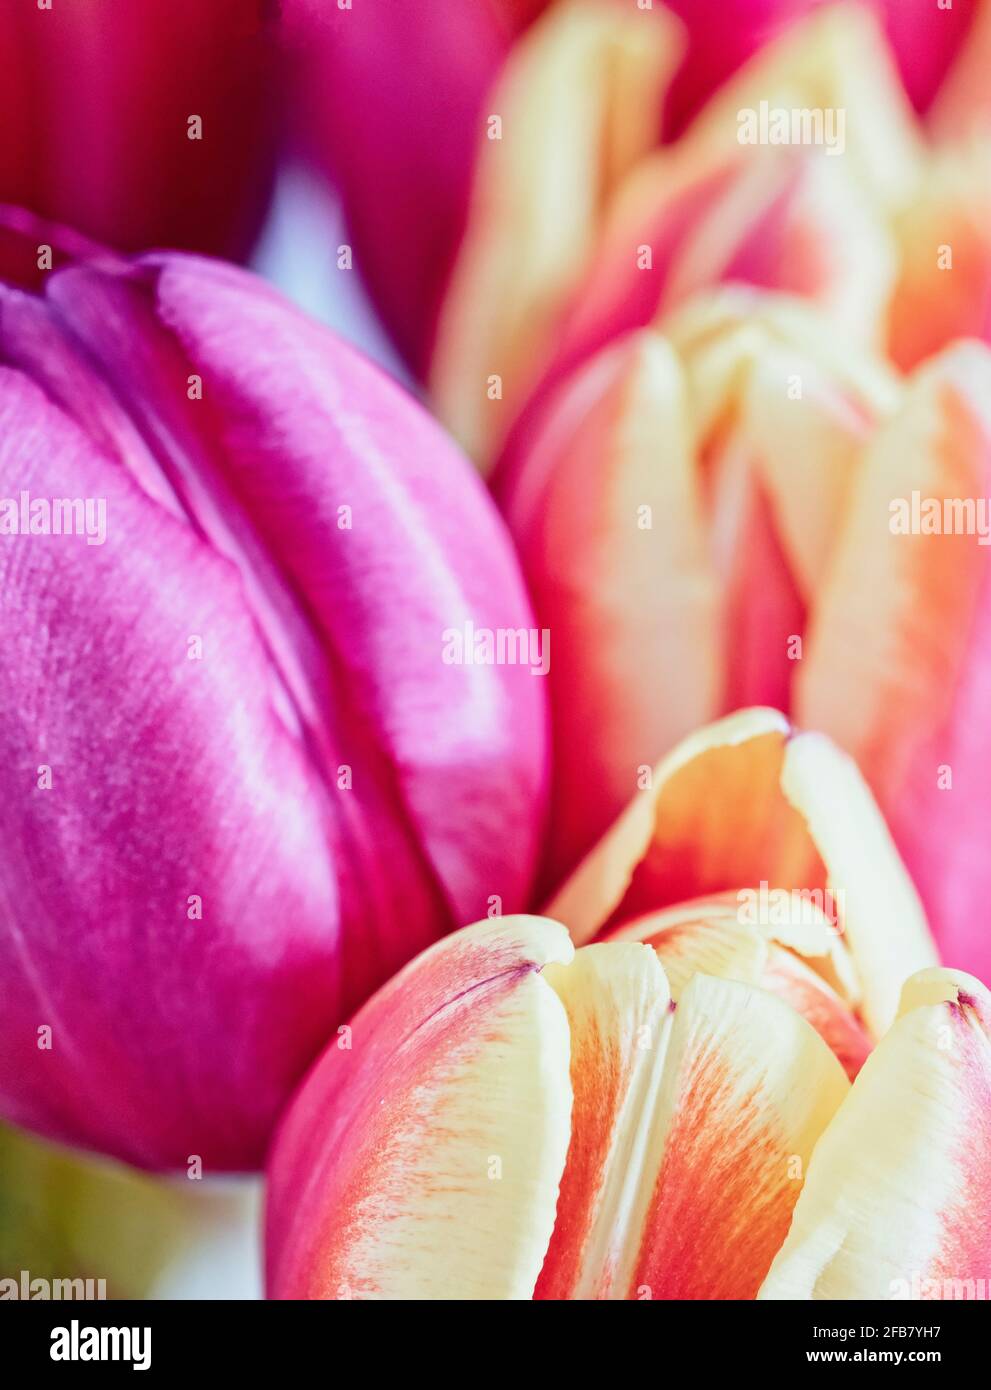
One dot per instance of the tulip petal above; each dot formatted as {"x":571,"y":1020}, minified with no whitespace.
{"x":963,"y":104}
{"x":225,"y":819}
{"x":381,"y":605}
{"x":898,"y":681}
{"x":144,"y":178}
{"x":943,"y":288}
{"x":104,"y":872}
{"x":897,"y":1202}
{"x":746,"y":803}
{"x":777,"y":417}
{"x":748,"y":1088}
{"x":926,"y":40}
{"x":781,"y":220}
{"x":721,"y":937}
{"x":706,"y":936}
{"x":803,"y":403}
{"x":672,"y":1107}
{"x":834,"y":60}
{"x":407,"y":160}
{"x":882,"y":920}
{"x":619,"y":1014}
{"x":685,"y":837}
{"x":579,"y":102}
{"x":610,"y":535}
{"x":809,"y":994}
{"x":716,"y":50}
{"x":424,"y":1160}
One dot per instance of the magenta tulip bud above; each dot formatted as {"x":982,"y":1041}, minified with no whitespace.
{"x":247,"y":771}
{"x":144,"y":125}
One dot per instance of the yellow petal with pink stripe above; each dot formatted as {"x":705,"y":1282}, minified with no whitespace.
{"x":422,"y":1156}
{"x":897,"y":1202}
{"x":619,"y":1013}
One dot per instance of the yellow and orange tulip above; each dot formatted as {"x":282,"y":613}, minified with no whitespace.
{"x":512,"y":1117}
{"x":705,"y":517}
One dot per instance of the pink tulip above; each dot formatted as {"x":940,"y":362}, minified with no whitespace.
{"x":142,"y":125}
{"x":241,"y":782}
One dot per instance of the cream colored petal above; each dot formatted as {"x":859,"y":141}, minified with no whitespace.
{"x":732,"y":938}
{"x":800,"y":403}
{"x":897,"y":1202}
{"x":895,"y":665}
{"x":690,"y":1131}
{"x":704,"y":936}
{"x":421,"y":1160}
{"x":578,"y":102}
{"x":607,"y":517}
{"x":883,"y":923}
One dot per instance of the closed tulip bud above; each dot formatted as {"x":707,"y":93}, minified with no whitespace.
{"x":736,"y":507}
{"x":241,"y":782}
{"x":142,"y":125}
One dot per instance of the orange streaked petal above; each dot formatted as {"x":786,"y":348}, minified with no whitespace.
{"x":746,"y":804}
{"x":943,"y":288}
{"x":748,"y":1088}
{"x":705,"y":936}
{"x":618,"y":1006}
{"x":690,"y":1130}
{"x":787,"y":976}
{"x":685,"y":837}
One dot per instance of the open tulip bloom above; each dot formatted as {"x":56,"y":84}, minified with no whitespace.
{"x":668,"y":1111}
